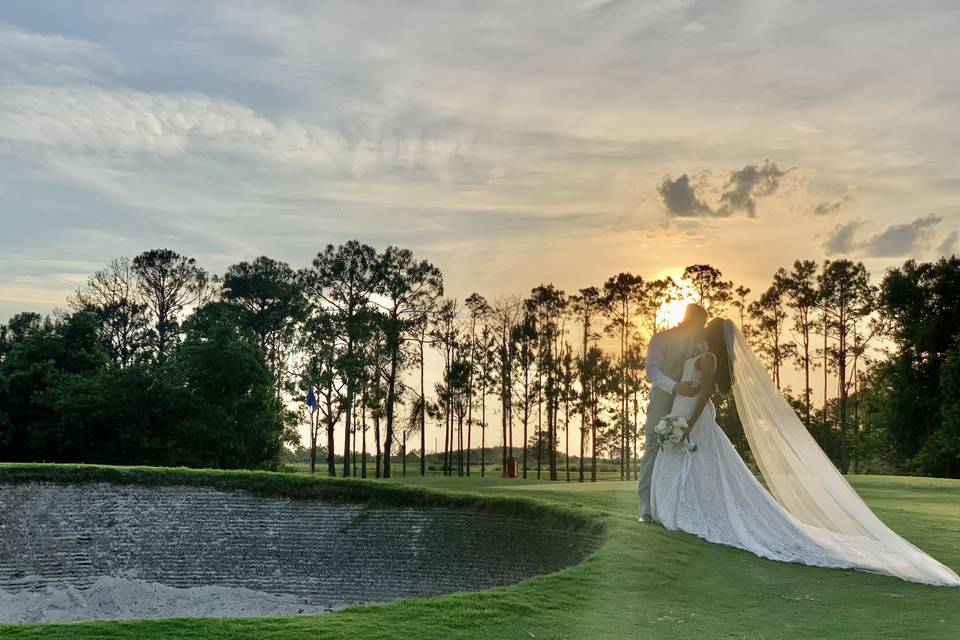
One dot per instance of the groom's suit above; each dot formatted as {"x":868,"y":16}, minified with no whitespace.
{"x":666,"y":355}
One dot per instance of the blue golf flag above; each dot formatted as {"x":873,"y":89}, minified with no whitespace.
{"x":312,"y":399}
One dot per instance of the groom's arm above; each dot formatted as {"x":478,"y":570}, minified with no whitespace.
{"x":654,"y":369}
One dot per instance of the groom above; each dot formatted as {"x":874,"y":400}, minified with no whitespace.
{"x":666,"y":355}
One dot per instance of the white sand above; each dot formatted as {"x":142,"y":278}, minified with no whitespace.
{"x":117,"y":598}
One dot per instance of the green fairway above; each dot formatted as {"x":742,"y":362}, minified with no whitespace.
{"x":643,"y":581}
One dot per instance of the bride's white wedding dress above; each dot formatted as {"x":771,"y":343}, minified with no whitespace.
{"x":819,"y":520}
{"x":711,"y":493}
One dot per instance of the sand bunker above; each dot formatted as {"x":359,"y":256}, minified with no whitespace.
{"x":105,"y":551}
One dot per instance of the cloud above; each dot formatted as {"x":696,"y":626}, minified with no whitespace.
{"x":749,"y":183}
{"x":93,"y":119}
{"x":949,"y":245}
{"x":902,"y":239}
{"x":829,"y":207}
{"x":739,"y":195}
{"x":681,"y":199}
{"x":51,"y":59}
{"x":842,"y":239}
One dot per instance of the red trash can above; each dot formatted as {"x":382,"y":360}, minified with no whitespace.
{"x":511,"y":467}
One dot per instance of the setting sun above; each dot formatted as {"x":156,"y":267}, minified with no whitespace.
{"x":672,"y":310}
{"x":671,"y":313}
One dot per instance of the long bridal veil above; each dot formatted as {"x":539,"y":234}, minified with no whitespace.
{"x":804,"y":481}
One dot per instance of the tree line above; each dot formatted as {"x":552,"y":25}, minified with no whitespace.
{"x":159,"y":362}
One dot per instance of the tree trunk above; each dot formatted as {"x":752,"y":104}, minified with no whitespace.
{"x":423,"y":419}
{"x":363,"y":430}
{"x":473,"y":339}
{"x":806,"y":368}
{"x":376,"y":438}
{"x":584,"y":392}
{"x":526,"y":420}
{"x":483,"y":432}
{"x":825,"y":364}
{"x":539,"y":419}
{"x":331,"y":426}
{"x":460,"y":443}
{"x":506,"y":411}
{"x":447,"y":446}
{"x":313,"y":441}
{"x":623,"y":391}
{"x":583,"y":437}
{"x":348,"y":410}
{"x":566,"y":433}
{"x":842,"y":395}
{"x":391,"y":398}
{"x":593,"y":462}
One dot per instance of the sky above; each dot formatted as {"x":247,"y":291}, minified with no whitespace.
{"x":511,"y":143}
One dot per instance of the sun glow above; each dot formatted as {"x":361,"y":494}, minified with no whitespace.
{"x":671,"y":313}
{"x":672,"y":310}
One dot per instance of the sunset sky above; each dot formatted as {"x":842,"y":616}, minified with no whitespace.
{"x":512,"y":143}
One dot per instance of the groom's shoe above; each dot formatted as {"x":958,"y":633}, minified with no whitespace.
{"x":647,"y":519}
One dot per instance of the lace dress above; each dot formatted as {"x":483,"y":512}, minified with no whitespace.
{"x":712,"y":494}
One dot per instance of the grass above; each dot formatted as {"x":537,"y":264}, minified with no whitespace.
{"x":642,"y":582}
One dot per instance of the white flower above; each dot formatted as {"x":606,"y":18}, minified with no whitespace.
{"x":670,"y":429}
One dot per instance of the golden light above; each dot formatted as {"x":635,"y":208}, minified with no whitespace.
{"x":671,"y":313}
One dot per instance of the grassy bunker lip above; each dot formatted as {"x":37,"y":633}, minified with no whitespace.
{"x":301,"y":486}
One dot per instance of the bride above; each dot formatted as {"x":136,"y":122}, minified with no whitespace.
{"x":813,"y":516}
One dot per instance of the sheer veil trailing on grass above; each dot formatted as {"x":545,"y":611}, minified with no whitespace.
{"x":804,"y":481}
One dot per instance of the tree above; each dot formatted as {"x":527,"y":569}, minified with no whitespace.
{"x":921,"y":302}
{"x":420,"y":332}
{"x":45,"y":359}
{"x":446,"y":337}
{"x":596,"y":377}
{"x":167,"y":282}
{"x":740,"y":304}
{"x":710,"y":290}
{"x":769,"y":335}
{"x":548,"y":306}
{"x":18,"y":328}
{"x":210,"y":404}
{"x":620,"y":291}
{"x":567,"y":371}
{"x":848,"y":299}
{"x":479,"y":310}
{"x":269,"y":294}
{"x":236,"y":419}
{"x":111,"y":298}
{"x":635,"y":363}
{"x":374,"y":353}
{"x":504,"y":319}
{"x":524,"y":345}
{"x":319,"y":344}
{"x":586,"y":305}
{"x":940,"y":454}
{"x":407,"y":285}
{"x":651,"y":297}
{"x":800,"y":288}
{"x":485,"y":373}
{"x":343,"y":278}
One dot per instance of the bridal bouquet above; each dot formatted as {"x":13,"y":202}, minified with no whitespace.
{"x":670,"y":430}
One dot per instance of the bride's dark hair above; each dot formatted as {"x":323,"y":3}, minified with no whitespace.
{"x":717,"y":343}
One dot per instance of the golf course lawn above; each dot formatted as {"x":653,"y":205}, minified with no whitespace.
{"x":642,"y":582}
